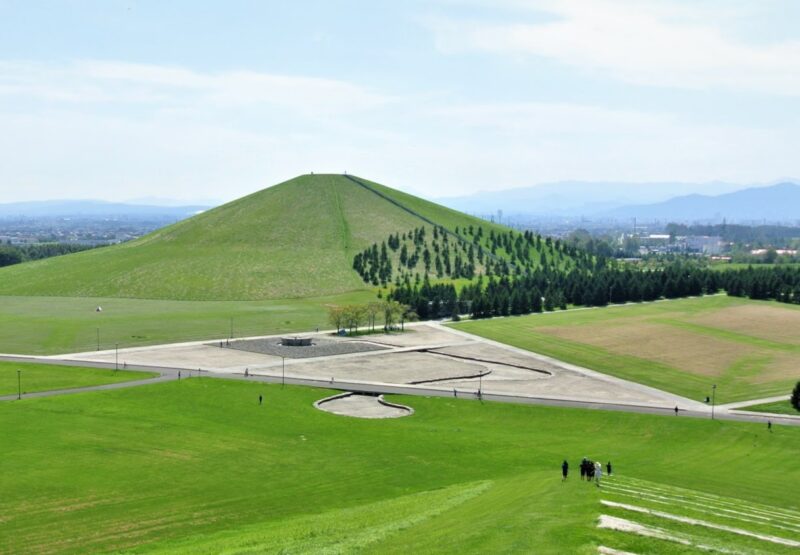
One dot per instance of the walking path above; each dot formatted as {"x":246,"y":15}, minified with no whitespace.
{"x":493,"y":388}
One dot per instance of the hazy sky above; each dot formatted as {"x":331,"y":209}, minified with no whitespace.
{"x":211,"y":100}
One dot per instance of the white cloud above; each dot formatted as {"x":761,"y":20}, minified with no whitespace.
{"x":116,"y":130}
{"x":640,"y":42}
{"x":92,"y":81}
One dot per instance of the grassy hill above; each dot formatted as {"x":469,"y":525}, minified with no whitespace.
{"x":296,"y":239}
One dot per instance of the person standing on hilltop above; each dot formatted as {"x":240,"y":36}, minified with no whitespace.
{"x":564,"y":470}
{"x":608,"y":468}
{"x":598,"y":473}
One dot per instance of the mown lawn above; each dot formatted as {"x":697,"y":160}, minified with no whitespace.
{"x":46,"y":377}
{"x":748,"y":349}
{"x":53,"y":325}
{"x":198,"y":466}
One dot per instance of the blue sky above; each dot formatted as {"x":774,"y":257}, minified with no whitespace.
{"x":213,"y":100}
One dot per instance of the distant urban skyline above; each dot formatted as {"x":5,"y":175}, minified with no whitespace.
{"x":119,"y":100}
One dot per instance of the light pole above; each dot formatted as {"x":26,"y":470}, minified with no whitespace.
{"x":116,"y":356}
{"x":231,"y":334}
{"x":283,"y":371}
{"x":98,"y":339}
{"x":713,"y":398}
{"x":19,"y":385}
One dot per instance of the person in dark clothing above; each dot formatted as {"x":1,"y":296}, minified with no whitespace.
{"x":608,"y":468}
{"x":676,"y":410}
{"x":583,"y":468}
{"x":260,"y":400}
{"x":769,"y":425}
{"x":564,"y":470}
{"x":589,"y":471}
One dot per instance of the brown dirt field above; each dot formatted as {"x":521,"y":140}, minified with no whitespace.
{"x":773,"y":323}
{"x":680,"y":349}
{"x":780,"y":367}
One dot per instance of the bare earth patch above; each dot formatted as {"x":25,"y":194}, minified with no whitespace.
{"x":773,"y":323}
{"x":681,"y":349}
{"x":780,"y":366}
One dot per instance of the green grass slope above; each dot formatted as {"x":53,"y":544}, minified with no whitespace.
{"x":198,"y":466}
{"x":296,"y":239}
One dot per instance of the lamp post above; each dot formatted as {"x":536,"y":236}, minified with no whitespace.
{"x":116,"y":356}
{"x":98,"y":339}
{"x":19,"y":385}
{"x":713,"y":398}
{"x":231,"y":334}
{"x":283,"y":371}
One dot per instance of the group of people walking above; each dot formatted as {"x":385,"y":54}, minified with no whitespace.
{"x":591,"y":471}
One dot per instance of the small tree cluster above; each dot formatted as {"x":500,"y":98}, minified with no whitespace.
{"x":353,"y":316}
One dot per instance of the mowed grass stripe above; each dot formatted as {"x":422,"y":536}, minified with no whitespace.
{"x":731,"y":336}
{"x":688,"y":508}
{"x":678,"y":521}
{"x":339,"y":531}
{"x":710,"y":498}
{"x":649,"y":538}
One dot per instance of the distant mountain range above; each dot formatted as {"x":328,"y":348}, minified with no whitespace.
{"x":678,"y":202}
{"x":94,"y":209}
{"x":577,"y":198}
{"x":777,"y":203}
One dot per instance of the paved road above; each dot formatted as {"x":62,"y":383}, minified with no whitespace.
{"x":170,"y":374}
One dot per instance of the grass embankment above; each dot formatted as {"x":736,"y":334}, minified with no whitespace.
{"x":47,"y":377}
{"x":749,"y":349}
{"x":199,"y":467}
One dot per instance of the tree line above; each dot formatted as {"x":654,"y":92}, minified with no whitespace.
{"x":548,"y":289}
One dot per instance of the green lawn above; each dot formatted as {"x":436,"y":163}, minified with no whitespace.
{"x":678,"y":351}
{"x":53,"y":325}
{"x":46,"y":377}
{"x":198,"y":467}
{"x":781,"y":407}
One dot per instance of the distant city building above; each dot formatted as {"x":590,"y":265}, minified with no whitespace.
{"x":704,"y":244}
